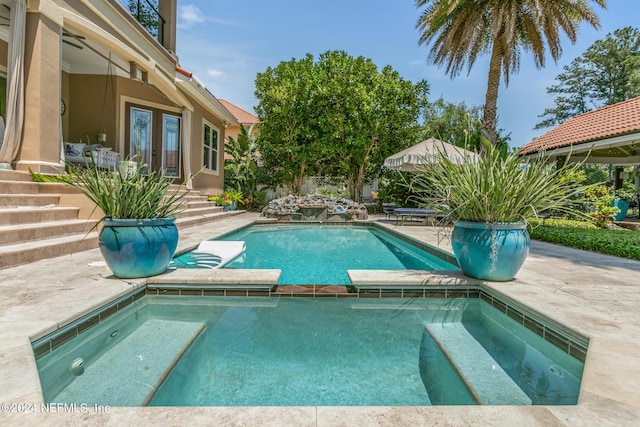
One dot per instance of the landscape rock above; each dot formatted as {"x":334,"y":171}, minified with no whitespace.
{"x":314,"y":207}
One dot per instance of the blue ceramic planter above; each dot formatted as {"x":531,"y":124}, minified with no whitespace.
{"x":135,"y":248}
{"x":623,"y":205}
{"x":490,"y":251}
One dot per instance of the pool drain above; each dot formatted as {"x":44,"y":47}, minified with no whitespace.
{"x":556,"y":370}
{"x":77,"y":366}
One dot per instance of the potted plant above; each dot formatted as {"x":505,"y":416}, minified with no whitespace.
{"x":600,"y":205}
{"x":234,"y":197}
{"x":489,"y":200}
{"x":622,"y":201}
{"x":220,"y":200}
{"x":138,"y":236}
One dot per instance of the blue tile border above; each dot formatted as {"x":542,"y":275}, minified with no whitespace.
{"x":575,"y":346}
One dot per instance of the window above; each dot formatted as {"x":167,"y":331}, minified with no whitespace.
{"x":154,"y":138}
{"x":211,"y":141}
{"x":171,"y":145}
{"x":140,"y":137}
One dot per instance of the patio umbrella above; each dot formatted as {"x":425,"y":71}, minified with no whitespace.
{"x":428,"y":151}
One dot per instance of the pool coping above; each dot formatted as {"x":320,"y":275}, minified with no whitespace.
{"x":558,"y":335}
{"x":592,"y":294}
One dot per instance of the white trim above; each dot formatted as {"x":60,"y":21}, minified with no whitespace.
{"x":164,"y":114}
{"x":216,"y":171}
{"x":124,"y":99}
{"x":131,"y":127}
{"x":620,"y":161}
{"x":612,"y":142}
{"x":193,"y":88}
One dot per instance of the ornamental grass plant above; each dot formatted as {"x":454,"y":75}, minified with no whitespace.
{"x":128,"y":193}
{"x":498,"y":188}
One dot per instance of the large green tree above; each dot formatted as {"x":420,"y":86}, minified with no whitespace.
{"x":338,"y":116}
{"x":460,"y":31}
{"x":606,"y":73}
{"x":457,"y":124}
{"x":287,"y":141}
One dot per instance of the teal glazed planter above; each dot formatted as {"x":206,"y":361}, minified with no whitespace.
{"x":490,"y":251}
{"x":134,"y":248}
{"x":623,"y":205}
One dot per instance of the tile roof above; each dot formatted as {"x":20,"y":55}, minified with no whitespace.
{"x":613,"y":120}
{"x":242,"y":116}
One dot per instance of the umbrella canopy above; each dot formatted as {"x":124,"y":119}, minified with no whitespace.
{"x":428,"y":151}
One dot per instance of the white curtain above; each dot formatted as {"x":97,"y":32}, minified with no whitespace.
{"x":15,"y":84}
{"x":186,"y":147}
{"x":62,"y":156}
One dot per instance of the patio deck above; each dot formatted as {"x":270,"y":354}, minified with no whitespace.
{"x":593,"y":294}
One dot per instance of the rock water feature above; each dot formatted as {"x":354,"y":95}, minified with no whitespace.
{"x":314,"y":207}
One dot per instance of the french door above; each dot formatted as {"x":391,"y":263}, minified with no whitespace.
{"x":154,"y":138}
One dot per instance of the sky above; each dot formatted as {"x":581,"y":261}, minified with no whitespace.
{"x":226,"y":44}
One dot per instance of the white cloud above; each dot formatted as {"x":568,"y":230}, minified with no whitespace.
{"x":189,"y":15}
{"x":212,"y":72}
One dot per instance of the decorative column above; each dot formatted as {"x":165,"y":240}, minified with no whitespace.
{"x":40,"y":149}
{"x":168,"y":9}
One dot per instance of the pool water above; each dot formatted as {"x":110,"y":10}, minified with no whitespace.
{"x":259,"y":351}
{"x":322,"y":254}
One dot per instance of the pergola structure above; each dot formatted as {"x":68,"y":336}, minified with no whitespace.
{"x":608,"y":135}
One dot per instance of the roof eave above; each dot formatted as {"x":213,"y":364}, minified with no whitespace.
{"x":588,"y":146}
{"x":192,"y":86}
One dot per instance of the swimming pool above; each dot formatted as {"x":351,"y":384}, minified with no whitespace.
{"x":261,"y":351}
{"x":322,"y":254}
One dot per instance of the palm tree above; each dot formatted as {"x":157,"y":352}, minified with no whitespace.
{"x":462,"y":30}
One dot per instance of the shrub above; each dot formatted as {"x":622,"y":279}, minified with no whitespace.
{"x":620,"y":243}
{"x":600,"y":204}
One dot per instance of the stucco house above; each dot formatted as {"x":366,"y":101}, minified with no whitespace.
{"x":86,"y":71}
{"x":243,"y":117}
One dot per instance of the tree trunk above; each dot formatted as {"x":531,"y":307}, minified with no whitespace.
{"x":359,"y":184}
{"x":489,"y":119}
{"x":298,"y":180}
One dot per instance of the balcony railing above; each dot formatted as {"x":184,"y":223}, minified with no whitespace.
{"x":146,"y":12}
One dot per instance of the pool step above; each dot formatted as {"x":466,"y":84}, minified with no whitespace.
{"x":130,"y":372}
{"x":483,"y":376}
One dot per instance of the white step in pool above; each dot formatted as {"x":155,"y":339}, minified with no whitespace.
{"x":135,"y":367}
{"x":486,"y":380}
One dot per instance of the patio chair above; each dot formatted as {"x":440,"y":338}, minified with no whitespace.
{"x":424,"y":213}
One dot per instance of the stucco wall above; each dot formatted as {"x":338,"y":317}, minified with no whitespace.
{"x":205,"y":181}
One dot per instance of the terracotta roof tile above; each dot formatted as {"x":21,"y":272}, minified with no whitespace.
{"x":183,"y":71}
{"x":242,"y":116}
{"x":612,"y":120}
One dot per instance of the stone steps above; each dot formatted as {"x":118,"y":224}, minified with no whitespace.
{"x":19,"y":187}
{"x":28,"y":252}
{"x":17,"y":200}
{"x":189,"y":211}
{"x":22,"y":233}
{"x":32,"y":214}
{"x":202,"y":218}
{"x":11,"y":175}
{"x":33,"y":225}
